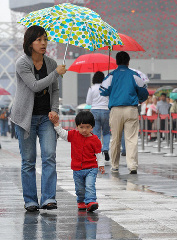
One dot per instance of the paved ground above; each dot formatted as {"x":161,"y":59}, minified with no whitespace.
{"x":131,"y":207}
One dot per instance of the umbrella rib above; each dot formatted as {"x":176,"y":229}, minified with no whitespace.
{"x":67,"y":44}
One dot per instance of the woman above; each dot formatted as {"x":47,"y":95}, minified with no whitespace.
{"x":37,"y":95}
{"x":100,"y":112}
{"x":152,"y":110}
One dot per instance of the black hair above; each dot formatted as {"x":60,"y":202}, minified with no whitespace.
{"x":122,"y":58}
{"x":163,"y":94}
{"x":98,"y":77}
{"x":85,"y":117}
{"x":31,"y":34}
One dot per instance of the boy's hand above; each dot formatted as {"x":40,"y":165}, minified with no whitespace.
{"x":54,"y":118}
{"x":102,"y":170}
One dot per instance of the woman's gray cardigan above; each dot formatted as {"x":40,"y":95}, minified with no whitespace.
{"x":27,"y":86}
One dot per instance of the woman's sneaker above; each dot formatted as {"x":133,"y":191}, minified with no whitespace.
{"x":81,"y":206}
{"x":92,"y":206}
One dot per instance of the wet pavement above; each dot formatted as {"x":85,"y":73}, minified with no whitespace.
{"x":131,"y":207}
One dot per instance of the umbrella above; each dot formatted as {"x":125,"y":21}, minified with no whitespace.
{"x":79,"y":26}
{"x":151,"y":92}
{"x":84,"y":106}
{"x":130,"y":44}
{"x":92,"y":63}
{"x":165,"y":89}
{"x":173,"y":94}
{"x":4,"y":92}
{"x":142,"y":75}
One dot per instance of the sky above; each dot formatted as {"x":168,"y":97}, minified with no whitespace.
{"x":4,"y":11}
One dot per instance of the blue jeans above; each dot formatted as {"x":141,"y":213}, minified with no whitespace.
{"x":123,"y":143}
{"x":4,"y":127}
{"x":101,"y":117}
{"x":44,"y":129}
{"x":85,"y":185}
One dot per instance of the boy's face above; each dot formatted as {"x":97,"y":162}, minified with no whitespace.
{"x":85,"y":129}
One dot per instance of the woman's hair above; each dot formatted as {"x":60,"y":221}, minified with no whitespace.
{"x":85,"y":117}
{"x":98,"y":77}
{"x":31,"y":34}
{"x":122,"y":58}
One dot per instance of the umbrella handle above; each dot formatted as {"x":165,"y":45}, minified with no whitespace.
{"x":64,"y":60}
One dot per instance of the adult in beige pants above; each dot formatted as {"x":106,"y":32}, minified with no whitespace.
{"x":124,"y":117}
{"x":125,"y":89}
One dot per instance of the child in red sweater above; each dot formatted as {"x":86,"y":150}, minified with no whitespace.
{"x":86,"y":158}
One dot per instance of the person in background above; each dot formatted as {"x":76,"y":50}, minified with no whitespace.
{"x":4,"y":114}
{"x":37,"y":95}
{"x":100,"y":112}
{"x":152,"y":110}
{"x":125,"y":89}
{"x":163,"y":108}
{"x":86,"y":158}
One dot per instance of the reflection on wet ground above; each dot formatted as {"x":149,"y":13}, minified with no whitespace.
{"x":64,"y":223}
{"x":130,"y":206}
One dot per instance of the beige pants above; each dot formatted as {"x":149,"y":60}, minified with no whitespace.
{"x":124,"y":118}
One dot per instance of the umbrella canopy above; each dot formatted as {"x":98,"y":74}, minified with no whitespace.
{"x":129,"y":44}
{"x":79,"y":26}
{"x":165,"y":89}
{"x":173,"y":94}
{"x":84,"y":106}
{"x":142,"y":75}
{"x":4,"y":92}
{"x":151,"y":92}
{"x":92,"y":63}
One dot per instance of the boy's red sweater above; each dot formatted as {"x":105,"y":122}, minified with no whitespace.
{"x":83,"y":150}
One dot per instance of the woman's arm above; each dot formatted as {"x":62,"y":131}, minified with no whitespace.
{"x":24,"y":71}
{"x":89,"y":97}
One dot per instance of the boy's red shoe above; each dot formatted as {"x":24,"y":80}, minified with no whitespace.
{"x":81,"y":206}
{"x":92,"y":206}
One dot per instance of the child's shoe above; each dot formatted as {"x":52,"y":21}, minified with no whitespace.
{"x":81,"y":206}
{"x":92,"y":206}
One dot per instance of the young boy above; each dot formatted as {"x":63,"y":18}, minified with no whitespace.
{"x":86,"y":158}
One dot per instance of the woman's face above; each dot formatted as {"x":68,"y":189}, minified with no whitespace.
{"x":39,"y":45}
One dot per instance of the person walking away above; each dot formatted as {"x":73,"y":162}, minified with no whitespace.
{"x":163,"y":108}
{"x":125,"y":89}
{"x":37,"y":95}
{"x":100,"y":112}
{"x":86,"y":158}
{"x":173,"y":109}
{"x":4,"y":114}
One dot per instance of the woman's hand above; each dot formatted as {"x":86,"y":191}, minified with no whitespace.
{"x":61,"y":69}
{"x":54,"y":118}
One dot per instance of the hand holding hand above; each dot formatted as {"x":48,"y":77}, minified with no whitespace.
{"x":61,"y":69}
{"x":54,"y":118}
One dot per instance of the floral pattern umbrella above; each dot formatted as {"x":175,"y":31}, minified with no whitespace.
{"x":165,"y":89}
{"x":79,"y":26}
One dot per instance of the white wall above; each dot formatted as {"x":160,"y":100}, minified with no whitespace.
{"x":22,"y":3}
{"x":166,"y":67}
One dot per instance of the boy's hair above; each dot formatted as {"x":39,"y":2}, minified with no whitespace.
{"x":98,"y":77}
{"x":85,"y":117}
{"x":122,"y":58}
{"x":163,"y":94}
{"x":31,"y":34}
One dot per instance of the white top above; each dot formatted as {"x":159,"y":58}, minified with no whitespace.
{"x":95,"y":99}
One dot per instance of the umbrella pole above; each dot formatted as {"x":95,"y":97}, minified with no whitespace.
{"x":109,"y":60}
{"x":64,"y":60}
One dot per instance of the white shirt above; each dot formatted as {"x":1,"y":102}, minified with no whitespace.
{"x":95,"y":99}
